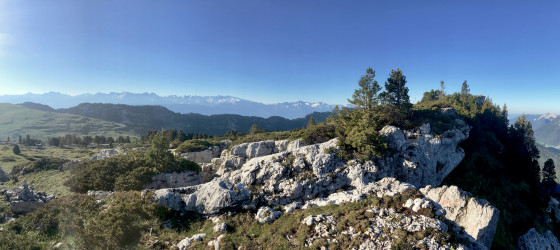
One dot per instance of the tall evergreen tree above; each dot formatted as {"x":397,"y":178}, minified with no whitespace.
{"x":255,"y":129}
{"x":20,"y":140}
{"x":548,"y":173}
{"x":311,"y":122}
{"x":396,"y":92}
{"x":366,"y":97}
{"x":465,"y":90}
{"x":525,"y":131}
{"x":504,"y":115}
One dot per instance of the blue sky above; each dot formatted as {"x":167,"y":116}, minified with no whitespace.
{"x":275,"y":51}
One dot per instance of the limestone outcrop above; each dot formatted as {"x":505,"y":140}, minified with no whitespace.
{"x":24,"y":199}
{"x":476,"y":216}
{"x":419,"y":157}
{"x":208,"y":198}
{"x":239,"y":154}
{"x":206,"y":156}
{"x":297,"y":176}
{"x":532,"y":240}
{"x":285,"y":172}
{"x":106,"y":153}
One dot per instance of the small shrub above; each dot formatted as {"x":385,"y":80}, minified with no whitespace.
{"x":195,"y":145}
{"x":43,"y":164}
{"x":16,"y":150}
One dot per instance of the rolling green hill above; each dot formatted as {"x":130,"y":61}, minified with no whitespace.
{"x":16,"y":120}
{"x":143,"y":118}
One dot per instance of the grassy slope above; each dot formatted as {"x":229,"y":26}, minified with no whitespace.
{"x":50,"y":181}
{"x":16,"y":120}
{"x":8,"y":159}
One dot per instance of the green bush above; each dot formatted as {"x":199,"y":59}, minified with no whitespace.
{"x":358,"y":135}
{"x":129,"y":171}
{"x":319,"y":132}
{"x":195,"y":145}
{"x":78,"y":222}
{"x":43,"y":164}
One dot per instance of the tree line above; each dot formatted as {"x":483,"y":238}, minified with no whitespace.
{"x":71,"y":140}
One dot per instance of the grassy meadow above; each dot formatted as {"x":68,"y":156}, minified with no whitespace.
{"x":16,"y":120}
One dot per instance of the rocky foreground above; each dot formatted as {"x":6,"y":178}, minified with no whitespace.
{"x":400,"y":203}
{"x":289,"y":175}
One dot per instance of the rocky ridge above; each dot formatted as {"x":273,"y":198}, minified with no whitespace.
{"x":293,"y":175}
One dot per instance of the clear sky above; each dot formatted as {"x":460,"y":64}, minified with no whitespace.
{"x":275,"y":51}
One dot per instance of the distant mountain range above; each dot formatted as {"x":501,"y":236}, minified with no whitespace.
{"x":537,"y":120}
{"x":205,"y":105}
{"x":546,"y":127}
{"x":549,"y":133}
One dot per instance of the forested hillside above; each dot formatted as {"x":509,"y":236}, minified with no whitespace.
{"x":143,"y":118}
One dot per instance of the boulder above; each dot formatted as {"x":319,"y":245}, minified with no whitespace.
{"x":186,"y":242}
{"x":220,"y":227}
{"x":532,"y":240}
{"x":267,"y":215}
{"x":209,"y":198}
{"x":476,"y":216}
{"x":216,"y":243}
{"x":394,"y":137}
{"x":24,"y":199}
{"x":174,"y":180}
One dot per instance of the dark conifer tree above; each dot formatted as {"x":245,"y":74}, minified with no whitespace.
{"x":396,"y":92}
{"x":465,"y":90}
{"x":548,"y":173}
{"x":366,"y":96}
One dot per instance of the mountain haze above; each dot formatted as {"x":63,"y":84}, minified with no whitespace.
{"x":537,"y":120}
{"x":206,"y":105}
{"x":549,"y":133}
